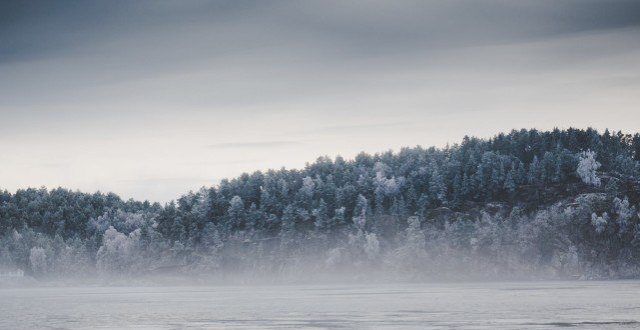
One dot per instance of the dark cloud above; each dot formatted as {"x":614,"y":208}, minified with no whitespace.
{"x":35,"y":29}
{"x":266,"y":49}
{"x":398,"y":26}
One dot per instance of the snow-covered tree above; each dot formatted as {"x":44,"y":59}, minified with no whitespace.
{"x":371,"y":246}
{"x":288,"y":228}
{"x":412,"y":251}
{"x":38,"y":260}
{"x":338,"y":218}
{"x":625,"y":212}
{"x":236,"y":211}
{"x":321,"y":219}
{"x":535,"y":171}
{"x":599,"y":222}
{"x":509,"y":182}
{"x":360,"y":213}
{"x":117,"y":253}
{"x":437,"y":187}
{"x":587,"y":167}
{"x":308,"y":187}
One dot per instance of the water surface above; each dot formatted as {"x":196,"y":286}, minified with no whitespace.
{"x":541,"y":305}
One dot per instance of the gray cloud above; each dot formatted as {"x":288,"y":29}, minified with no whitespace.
{"x":32,"y":29}
{"x":212,"y":54}
{"x":129,"y":89}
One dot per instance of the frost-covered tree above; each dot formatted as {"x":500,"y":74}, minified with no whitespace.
{"x":321,"y":217}
{"x":415,"y":236}
{"x":535,"y":171}
{"x":308,"y":187}
{"x":360,"y":213}
{"x":437,"y":187}
{"x":372,"y":246}
{"x":587,"y":167}
{"x":288,"y":228}
{"x":38,"y":260}
{"x":117,"y":253}
{"x":412,"y":253}
{"x":600,"y":222}
{"x":510,"y":183}
{"x":339,"y":218}
{"x":624,"y":212}
{"x":236,"y":211}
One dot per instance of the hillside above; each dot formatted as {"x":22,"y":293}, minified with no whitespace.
{"x":524,"y":204}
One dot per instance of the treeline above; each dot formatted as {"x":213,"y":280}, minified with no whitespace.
{"x":561,"y":202}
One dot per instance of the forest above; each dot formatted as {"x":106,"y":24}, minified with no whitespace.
{"x":524,"y":204}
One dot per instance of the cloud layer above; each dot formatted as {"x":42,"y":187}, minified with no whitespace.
{"x":120,"y":92}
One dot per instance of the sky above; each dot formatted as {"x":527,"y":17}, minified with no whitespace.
{"x":150,"y":99}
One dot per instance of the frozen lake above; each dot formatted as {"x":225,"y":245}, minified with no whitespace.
{"x":465,"y":306}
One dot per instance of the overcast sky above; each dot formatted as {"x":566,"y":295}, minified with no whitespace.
{"x":150,"y":99}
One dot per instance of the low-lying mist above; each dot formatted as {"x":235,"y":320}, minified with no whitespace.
{"x":561,"y":242}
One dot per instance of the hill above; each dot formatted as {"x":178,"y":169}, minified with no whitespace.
{"x":524,"y":204}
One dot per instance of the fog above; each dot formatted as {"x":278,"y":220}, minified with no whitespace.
{"x":515,"y":247}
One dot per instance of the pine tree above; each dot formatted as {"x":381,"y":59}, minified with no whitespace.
{"x":535,"y":172}
{"x":320,"y":216}
{"x":236,"y":212}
